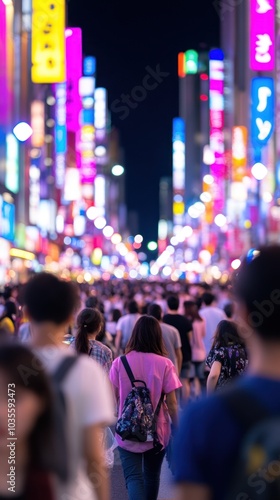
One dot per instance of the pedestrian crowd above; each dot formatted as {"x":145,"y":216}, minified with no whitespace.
{"x":180,"y":371}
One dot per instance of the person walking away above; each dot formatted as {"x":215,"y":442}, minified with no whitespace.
{"x":197,"y":345}
{"x":171,"y":337}
{"x":26,"y":400}
{"x":50,"y":305}
{"x":89,"y":324}
{"x":125,"y":326}
{"x":184,"y":327}
{"x":213,"y":438}
{"x":146,"y":356}
{"x":227,"y":358}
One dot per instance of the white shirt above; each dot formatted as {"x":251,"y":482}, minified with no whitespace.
{"x":89,"y":402}
{"x":172,"y":341}
{"x":212,"y":316}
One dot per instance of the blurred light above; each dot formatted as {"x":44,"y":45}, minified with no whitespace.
{"x":96,"y":257}
{"x":220,"y":220}
{"x":152,"y":246}
{"x":154,"y":270}
{"x":166,"y":271}
{"x":187,"y":231}
{"x":68,"y":32}
{"x":174,"y":241}
{"x":208,"y":179}
{"x":216,"y":273}
{"x":119,"y":273}
{"x":50,"y":123}
{"x":208,"y":159}
{"x":259,"y":171}
{"x":116,"y":238}
{"x":162,"y":229}
{"x":204,"y":97}
{"x":92,"y":213}
{"x":100,"y":222}
{"x":7,"y":2}
{"x":138,"y":238}
{"x":267,"y":197}
{"x":67,"y":240}
{"x":196,"y":210}
{"x":21,"y":254}
{"x":178,"y":198}
{"x":236,"y":264}
{"x":22,"y":131}
{"x":50,"y":100}
{"x":100,"y":151}
{"x":133,"y":274}
{"x":206,"y":197}
{"x":204,"y":77}
{"x":87,"y":277}
{"x":205,"y":257}
{"x":247,"y":224}
{"x":108,"y":231}
{"x":117,"y":170}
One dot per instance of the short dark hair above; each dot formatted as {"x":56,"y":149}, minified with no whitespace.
{"x":173,"y":302}
{"x":132,"y":307}
{"x":146,"y":337}
{"x":92,"y":302}
{"x":257,"y":285}
{"x":47,"y":298}
{"x":155,"y":310}
{"x":208,"y":298}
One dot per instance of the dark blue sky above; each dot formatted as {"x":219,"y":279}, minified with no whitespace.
{"x":126,"y":37}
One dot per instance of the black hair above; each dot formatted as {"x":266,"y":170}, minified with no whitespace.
{"x":132,"y":307}
{"x":229,"y":310}
{"x":155,"y":310}
{"x":92,"y":302}
{"x":173,"y":302}
{"x":208,"y":298}
{"x":257,"y":286}
{"x":146,"y":337}
{"x":116,"y":315}
{"x":226,"y":334}
{"x":47,"y":298}
{"x":88,"y":321}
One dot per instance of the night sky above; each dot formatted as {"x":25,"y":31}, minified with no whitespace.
{"x":126,"y":37}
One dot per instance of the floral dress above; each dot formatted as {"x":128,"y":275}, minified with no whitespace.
{"x":234,"y":361}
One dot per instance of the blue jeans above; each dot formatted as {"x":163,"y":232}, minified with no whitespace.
{"x":142,"y":473}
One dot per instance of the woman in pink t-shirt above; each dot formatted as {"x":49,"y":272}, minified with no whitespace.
{"x":147,"y":359}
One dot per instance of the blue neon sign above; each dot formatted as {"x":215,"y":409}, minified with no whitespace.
{"x":262,"y":110}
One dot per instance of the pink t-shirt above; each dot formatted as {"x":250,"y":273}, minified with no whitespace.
{"x":197,"y":344}
{"x":160,"y":376}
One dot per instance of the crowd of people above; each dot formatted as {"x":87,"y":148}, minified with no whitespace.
{"x":74,"y":355}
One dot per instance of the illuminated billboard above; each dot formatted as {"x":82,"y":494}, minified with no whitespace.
{"x":191,"y":62}
{"x":12,"y":164}
{"x":178,"y":160}
{"x":60,"y":134}
{"x":38,"y":124}
{"x":262,"y":35}
{"x":216,"y":105}
{"x":3,"y":66}
{"x":262,"y":110}
{"x":48,"y":41}
{"x":74,"y":65}
{"x":239,"y":153}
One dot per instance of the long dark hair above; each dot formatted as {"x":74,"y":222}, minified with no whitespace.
{"x":88,"y":321}
{"x":226,"y":335}
{"x":146,"y":337}
{"x":23,"y":369}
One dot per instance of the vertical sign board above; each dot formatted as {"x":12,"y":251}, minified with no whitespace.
{"x":178,"y":159}
{"x":48,"y":41}
{"x":74,"y":58}
{"x":3,"y":67}
{"x":60,"y":134}
{"x":262,"y":111}
{"x":262,"y":35}
{"x":216,"y":105}
{"x":239,"y":153}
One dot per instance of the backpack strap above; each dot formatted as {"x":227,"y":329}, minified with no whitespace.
{"x":128,"y":370}
{"x":245,"y":407}
{"x":63,"y":368}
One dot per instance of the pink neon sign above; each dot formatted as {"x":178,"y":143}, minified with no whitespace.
{"x":74,"y":70}
{"x":3,"y":66}
{"x":216,"y":94}
{"x":262,"y":33}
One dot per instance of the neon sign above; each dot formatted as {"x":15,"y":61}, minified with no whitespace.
{"x":262,"y":110}
{"x":262,"y":33}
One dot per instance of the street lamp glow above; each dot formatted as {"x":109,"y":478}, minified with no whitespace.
{"x":100,"y":222}
{"x":116,"y":238}
{"x":208,"y":179}
{"x":152,"y":246}
{"x":138,"y":238}
{"x":236,"y":264}
{"x":220,"y":220}
{"x":117,"y":170}
{"x":92,"y":213}
{"x":22,"y":131}
{"x":259,"y":171}
{"x":108,"y":231}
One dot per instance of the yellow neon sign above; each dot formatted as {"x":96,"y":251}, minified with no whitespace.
{"x":48,"y":41}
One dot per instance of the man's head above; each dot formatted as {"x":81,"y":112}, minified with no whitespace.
{"x":155,"y":311}
{"x":208,"y":298}
{"x":173,"y":303}
{"x":133,"y":307}
{"x":257,"y":289}
{"x":48,"y":299}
